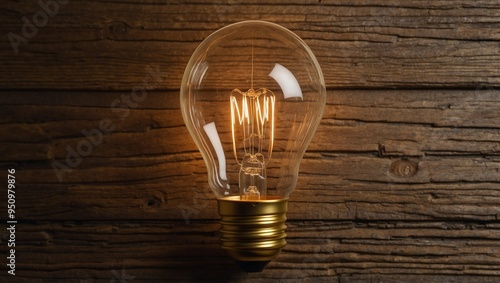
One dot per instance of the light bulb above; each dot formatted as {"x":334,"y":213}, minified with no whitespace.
{"x":252,"y":97}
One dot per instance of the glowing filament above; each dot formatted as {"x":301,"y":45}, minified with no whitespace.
{"x":255,"y":113}
{"x":251,"y":118}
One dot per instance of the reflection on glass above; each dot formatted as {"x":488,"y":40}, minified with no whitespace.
{"x":287,"y":81}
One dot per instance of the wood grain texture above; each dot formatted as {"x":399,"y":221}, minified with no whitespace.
{"x":359,"y":44}
{"x":319,"y":251}
{"x":414,"y":155}
{"x":401,"y":183}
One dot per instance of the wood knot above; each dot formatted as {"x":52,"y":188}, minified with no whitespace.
{"x":154,"y":201}
{"x":118,"y":29}
{"x":404,"y":168}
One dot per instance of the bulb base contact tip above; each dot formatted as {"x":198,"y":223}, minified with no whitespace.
{"x":253,"y":231}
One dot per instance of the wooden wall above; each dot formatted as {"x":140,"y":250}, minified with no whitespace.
{"x":400,"y":184}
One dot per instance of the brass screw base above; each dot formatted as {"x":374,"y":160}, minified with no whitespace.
{"x":253,"y":232}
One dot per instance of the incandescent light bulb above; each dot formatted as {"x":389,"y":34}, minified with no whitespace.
{"x":252,"y":97}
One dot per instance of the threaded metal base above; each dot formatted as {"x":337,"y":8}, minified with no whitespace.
{"x":253,"y":231}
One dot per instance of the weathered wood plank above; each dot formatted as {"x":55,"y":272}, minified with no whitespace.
{"x":397,"y":186}
{"x":389,"y":123}
{"x":321,"y":251}
{"x":188,"y":197}
{"x":359,"y":44}
{"x":416,"y":155}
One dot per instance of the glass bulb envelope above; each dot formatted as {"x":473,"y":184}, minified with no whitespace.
{"x":252,"y":97}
